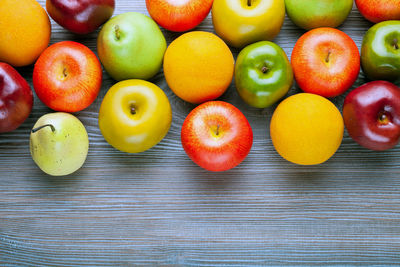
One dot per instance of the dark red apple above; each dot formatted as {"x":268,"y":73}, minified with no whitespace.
{"x":216,"y":136}
{"x":371,"y":114}
{"x":16,"y":98}
{"x":179,"y":15}
{"x":67,"y":76}
{"x":80,"y":16}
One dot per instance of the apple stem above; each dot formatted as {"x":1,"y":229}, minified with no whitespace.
{"x":395,"y":43}
{"x":217,"y":131}
{"x":327,"y":57}
{"x":117,"y":34}
{"x":65,"y":72}
{"x":264,"y":69}
{"x":383,"y":118}
{"x":248,"y":2}
{"x":41,"y":127}
{"x":133,"y":110}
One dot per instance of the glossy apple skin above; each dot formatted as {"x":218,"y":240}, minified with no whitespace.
{"x":239,"y":25}
{"x":311,"y":14}
{"x":136,"y":130}
{"x":325,"y":61}
{"x":362,"y":113}
{"x":380,"y":53}
{"x":131,"y":46}
{"x":80,"y":16}
{"x":16,"y":98}
{"x":263,"y":74}
{"x":379,"y":10}
{"x":216,"y":136}
{"x":178,"y":15}
{"x":67,"y":76}
{"x":62,"y":151}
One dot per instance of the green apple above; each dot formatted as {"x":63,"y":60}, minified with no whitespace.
{"x":311,"y":14}
{"x":131,"y":46}
{"x":59,"y":143}
{"x":380,"y":51}
{"x":135,"y":115}
{"x":263,"y":74}
{"x":243,"y":22}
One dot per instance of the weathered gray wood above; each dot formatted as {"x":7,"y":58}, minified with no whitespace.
{"x":158,"y":208}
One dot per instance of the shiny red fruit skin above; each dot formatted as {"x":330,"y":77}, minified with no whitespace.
{"x":176,"y":16}
{"x":16,"y":98}
{"x":216,"y":152}
{"x":361,"y":112}
{"x":80,"y":16}
{"x":67,"y":76}
{"x":379,"y":10}
{"x":325,"y":61}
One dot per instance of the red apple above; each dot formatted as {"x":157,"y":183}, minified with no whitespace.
{"x":371,"y":114}
{"x":216,"y":136}
{"x":178,"y":15}
{"x":379,"y":10}
{"x":67,"y":76}
{"x":325,"y":61}
{"x":16,"y":98}
{"x":80,"y":16}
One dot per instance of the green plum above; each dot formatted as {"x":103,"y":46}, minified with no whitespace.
{"x":131,"y":46}
{"x":380,"y":53}
{"x":311,"y":14}
{"x":59,"y":143}
{"x":263,"y":74}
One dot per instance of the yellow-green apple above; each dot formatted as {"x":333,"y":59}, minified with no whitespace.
{"x":379,"y":10}
{"x":242,"y":22}
{"x":263,"y":74}
{"x":380,"y":51}
{"x":325,"y":61}
{"x":131,"y":46}
{"x":371,"y":114}
{"x":134,"y":116}
{"x":216,"y":136}
{"x":80,"y":16}
{"x":59,"y":143}
{"x":16,"y":98}
{"x":311,"y":14}
{"x":178,"y":15}
{"x":67,"y":76}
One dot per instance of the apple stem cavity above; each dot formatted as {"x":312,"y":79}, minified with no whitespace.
{"x":117,"y":32}
{"x":248,"y":2}
{"x":41,"y":127}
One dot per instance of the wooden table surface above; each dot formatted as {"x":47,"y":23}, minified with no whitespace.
{"x":159,"y":208}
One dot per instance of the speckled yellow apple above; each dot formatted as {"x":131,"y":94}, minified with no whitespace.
{"x":242,"y":22}
{"x":134,"y":116}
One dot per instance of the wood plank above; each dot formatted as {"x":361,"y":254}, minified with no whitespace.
{"x":159,"y":208}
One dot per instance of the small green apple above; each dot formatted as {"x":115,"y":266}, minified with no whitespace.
{"x":263,"y":74}
{"x":380,"y":51}
{"x":59,"y":143}
{"x":311,"y":14}
{"x":131,"y":46}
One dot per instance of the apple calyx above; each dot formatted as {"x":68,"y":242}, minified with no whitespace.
{"x":41,"y":127}
{"x":264,"y":69}
{"x":133,"y":109}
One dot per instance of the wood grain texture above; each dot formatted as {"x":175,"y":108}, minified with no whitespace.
{"x":159,"y":208}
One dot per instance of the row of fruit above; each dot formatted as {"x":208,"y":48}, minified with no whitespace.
{"x":198,"y":66}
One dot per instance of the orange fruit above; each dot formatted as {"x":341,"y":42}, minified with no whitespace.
{"x":25,"y":31}
{"x":198,"y":66}
{"x":306,"y":129}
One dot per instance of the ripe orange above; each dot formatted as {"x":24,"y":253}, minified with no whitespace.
{"x":306,"y":129}
{"x":25,"y":31}
{"x":198,"y":66}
